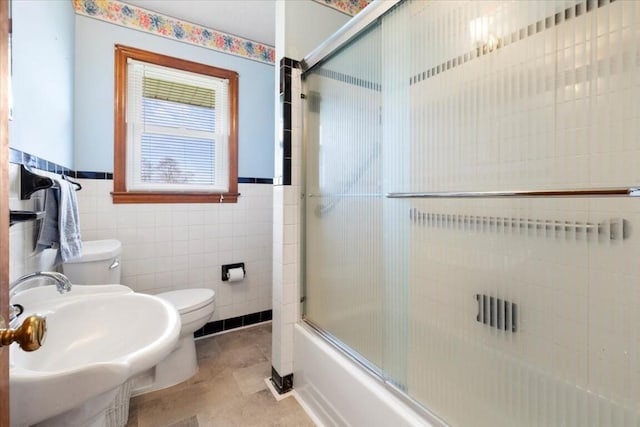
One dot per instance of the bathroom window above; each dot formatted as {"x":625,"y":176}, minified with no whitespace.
{"x":175,"y":130}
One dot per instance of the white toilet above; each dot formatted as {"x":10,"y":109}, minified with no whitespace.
{"x":100,"y":264}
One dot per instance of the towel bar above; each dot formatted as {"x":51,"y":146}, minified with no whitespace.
{"x":31,"y":182}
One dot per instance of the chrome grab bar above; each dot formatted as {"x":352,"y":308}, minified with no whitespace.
{"x":585,"y":192}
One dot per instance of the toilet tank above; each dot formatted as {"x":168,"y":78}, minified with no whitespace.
{"x":98,"y":265}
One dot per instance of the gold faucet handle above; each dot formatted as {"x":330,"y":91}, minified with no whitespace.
{"x":30,"y":335}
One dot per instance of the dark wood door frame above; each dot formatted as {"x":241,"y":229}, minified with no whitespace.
{"x":4,"y":204}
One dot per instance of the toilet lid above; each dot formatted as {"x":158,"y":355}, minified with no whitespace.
{"x":186,"y":300}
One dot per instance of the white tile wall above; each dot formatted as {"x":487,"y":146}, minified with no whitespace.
{"x":169,"y":246}
{"x":287,"y":244}
{"x":278,"y":246}
{"x":180,"y":246}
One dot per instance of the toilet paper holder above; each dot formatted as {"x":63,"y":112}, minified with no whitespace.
{"x":226,"y":268}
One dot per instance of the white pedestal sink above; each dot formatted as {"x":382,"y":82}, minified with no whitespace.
{"x":97,"y":338}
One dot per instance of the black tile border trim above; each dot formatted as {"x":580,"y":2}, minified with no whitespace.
{"x":94,"y":175}
{"x":286,"y":64}
{"x":289,"y":62}
{"x":244,"y":180}
{"x":232,"y":323}
{"x":21,"y":158}
{"x":282,"y":383}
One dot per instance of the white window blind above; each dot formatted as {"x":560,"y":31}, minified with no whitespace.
{"x":177,"y":130}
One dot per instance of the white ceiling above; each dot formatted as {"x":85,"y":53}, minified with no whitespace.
{"x":250,"y":19}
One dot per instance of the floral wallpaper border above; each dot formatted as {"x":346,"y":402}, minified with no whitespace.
{"x":350,"y":7}
{"x":119,"y":13}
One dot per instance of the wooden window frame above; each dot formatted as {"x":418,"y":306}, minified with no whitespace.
{"x":120,"y":193}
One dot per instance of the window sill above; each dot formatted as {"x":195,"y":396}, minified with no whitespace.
{"x":147,"y":197}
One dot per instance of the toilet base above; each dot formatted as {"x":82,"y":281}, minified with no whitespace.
{"x":177,"y":367}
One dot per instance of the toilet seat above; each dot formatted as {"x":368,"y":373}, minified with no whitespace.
{"x":195,"y":306}
{"x":188,"y":300}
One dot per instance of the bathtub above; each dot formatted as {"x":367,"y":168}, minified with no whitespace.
{"x":336,"y":391}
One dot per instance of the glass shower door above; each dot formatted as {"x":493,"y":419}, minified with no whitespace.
{"x":344,"y":269}
{"x":486,"y":310}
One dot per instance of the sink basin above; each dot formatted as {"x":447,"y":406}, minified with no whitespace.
{"x":46,"y":297}
{"x":97,"y":338}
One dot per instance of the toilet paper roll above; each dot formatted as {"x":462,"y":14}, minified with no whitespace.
{"x":235,"y":274}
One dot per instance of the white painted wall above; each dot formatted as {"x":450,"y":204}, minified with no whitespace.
{"x":301,"y":26}
{"x":94,"y":81}
{"x":42,"y":79}
{"x":167,"y":247}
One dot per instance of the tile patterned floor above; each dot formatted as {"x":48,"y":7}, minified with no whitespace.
{"x":228,"y":390}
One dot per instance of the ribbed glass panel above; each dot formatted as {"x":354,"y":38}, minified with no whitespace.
{"x":396,"y":119}
{"x":495,"y":312}
{"x":344,"y":197}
